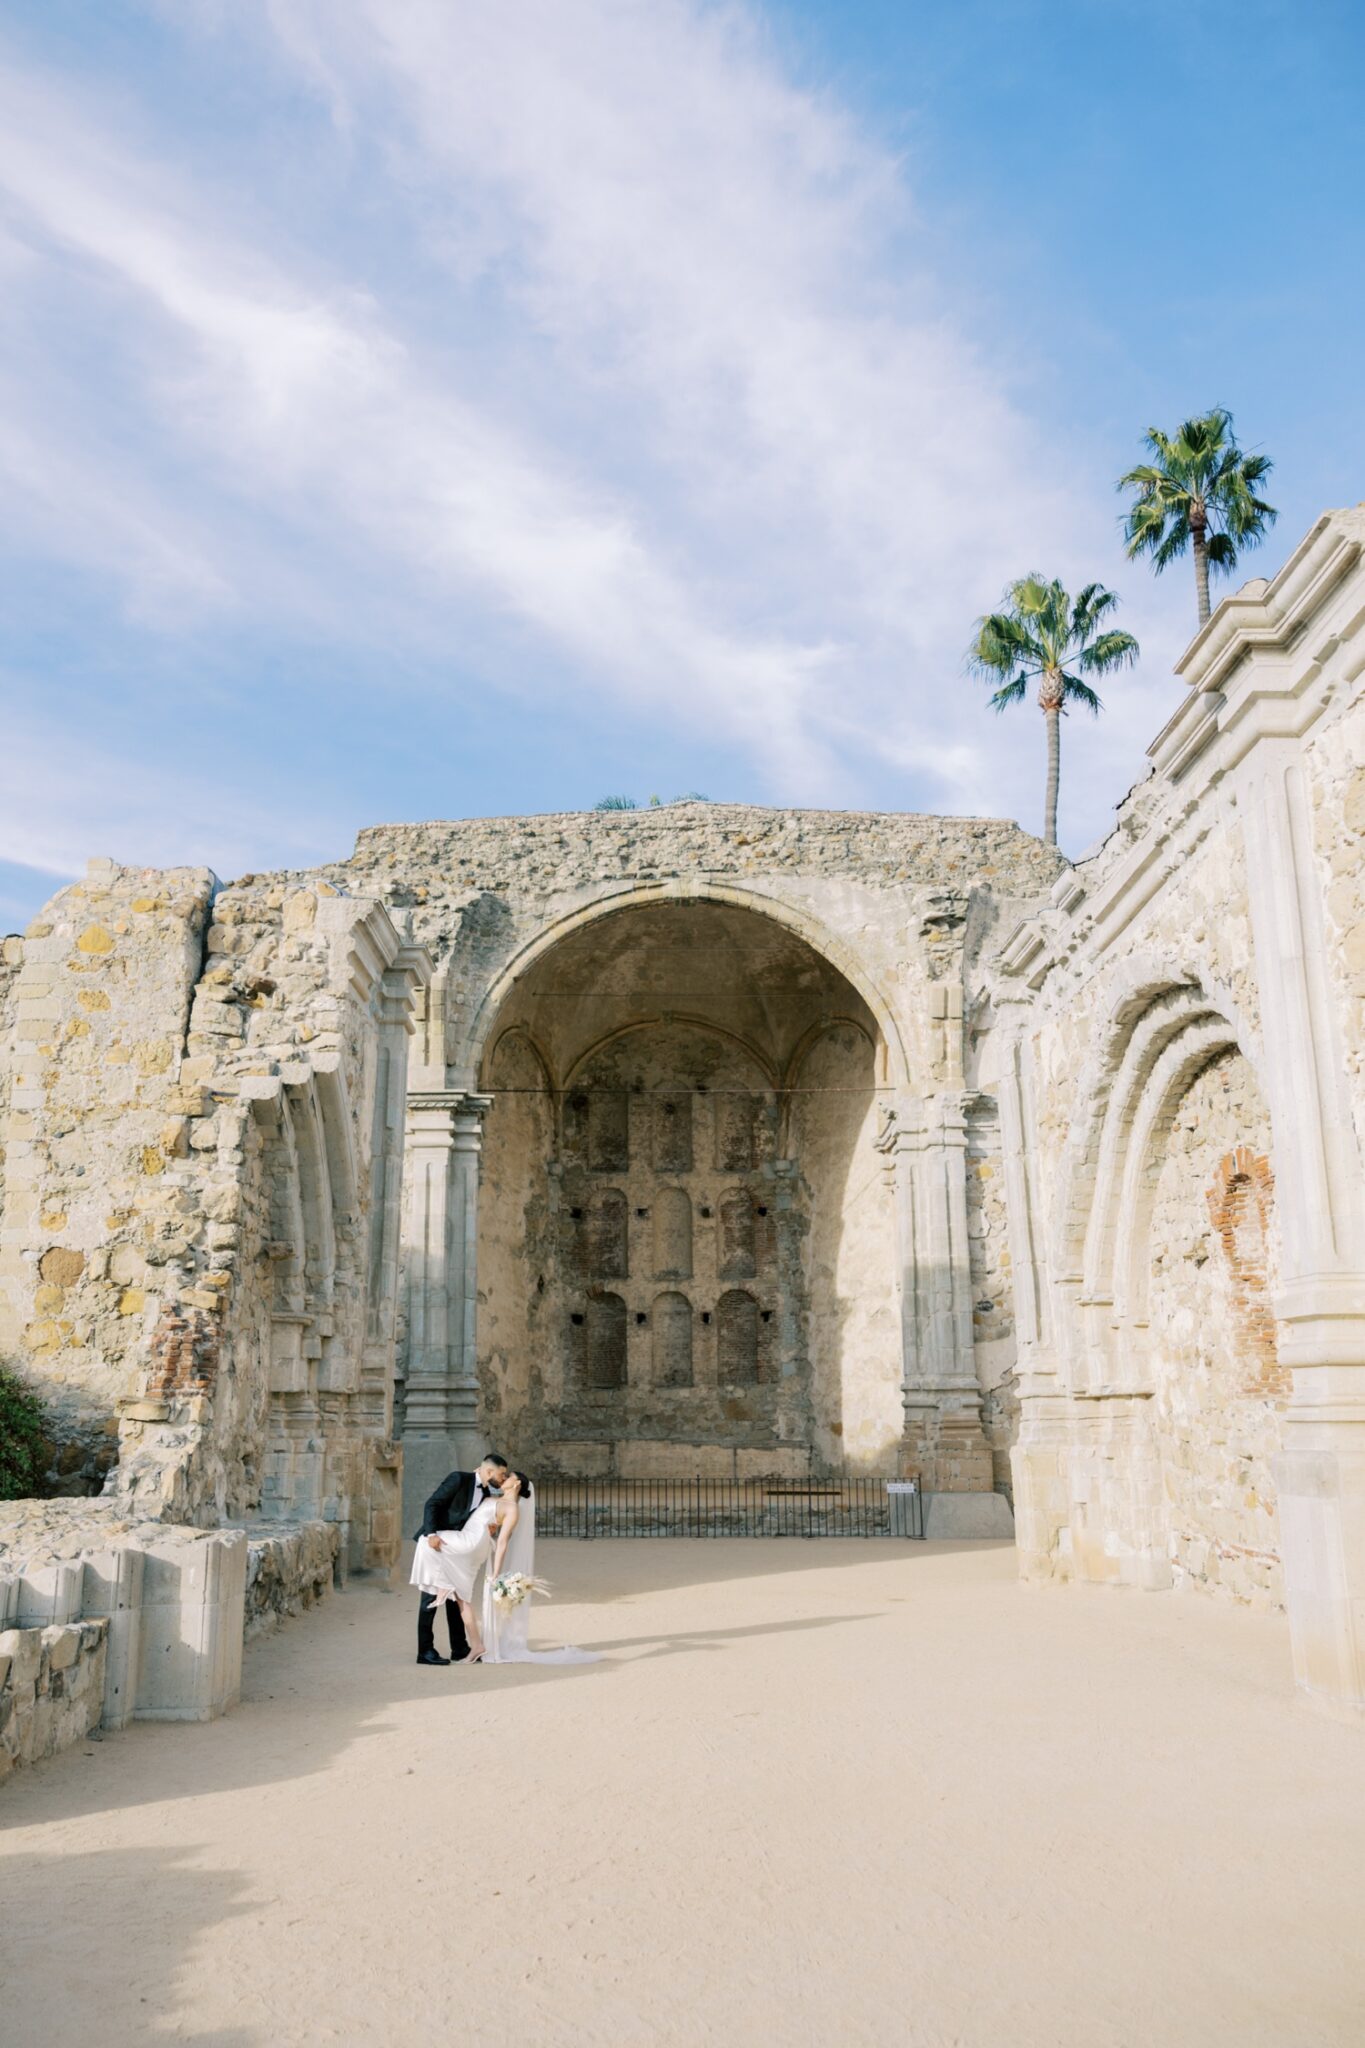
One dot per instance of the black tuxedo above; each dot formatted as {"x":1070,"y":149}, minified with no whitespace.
{"x":448,"y":1508}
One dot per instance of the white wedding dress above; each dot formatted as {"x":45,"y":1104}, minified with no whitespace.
{"x":505,"y":1629}
{"x":451,"y":1571}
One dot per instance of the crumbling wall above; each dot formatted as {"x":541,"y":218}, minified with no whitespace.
{"x":51,"y":1689}
{"x":1220,"y":1390}
{"x":96,"y":1213}
{"x":200,"y":1246}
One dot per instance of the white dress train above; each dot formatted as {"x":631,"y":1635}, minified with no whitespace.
{"x":506,"y":1629}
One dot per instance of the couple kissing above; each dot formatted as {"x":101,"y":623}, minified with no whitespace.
{"x":476,"y":1520}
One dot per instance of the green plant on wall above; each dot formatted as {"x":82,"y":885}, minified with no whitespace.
{"x":23,"y":1440}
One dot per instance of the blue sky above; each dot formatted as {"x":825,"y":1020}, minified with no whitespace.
{"x":419,"y":408}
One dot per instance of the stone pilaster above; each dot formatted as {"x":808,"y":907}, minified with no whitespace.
{"x":1320,"y":1473}
{"x":1039,"y":1458}
{"x":924,"y":1142}
{"x":441,"y":1420}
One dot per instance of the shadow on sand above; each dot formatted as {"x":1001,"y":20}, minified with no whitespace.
{"x":328,"y":1678}
{"x":85,"y":1918}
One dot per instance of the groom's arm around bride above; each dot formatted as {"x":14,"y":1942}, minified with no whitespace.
{"x":450,"y":1507}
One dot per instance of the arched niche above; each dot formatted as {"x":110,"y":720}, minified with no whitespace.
{"x":675,"y":1032}
{"x":737,"y":1221}
{"x":737,"y":1327}
{"x":671,"y":1324}
{"x":599,"y":1344}
{"x":672,"y":1234}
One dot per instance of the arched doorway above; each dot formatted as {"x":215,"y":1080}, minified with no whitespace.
{"x":686,"y":1249}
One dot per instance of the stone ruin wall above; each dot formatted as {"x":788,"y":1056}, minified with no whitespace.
{"x":1129,"y":1064}
{"x":1178,"y":1041}
{"x":205,"y":1093}
{"x":1220,"y":1390}
{"x":909,"y":906}
{"x":1181,"y":1472}
{"x":157,"y":1056}
{"x":98,"y":1114}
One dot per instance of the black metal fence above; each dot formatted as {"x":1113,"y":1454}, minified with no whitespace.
{"x":728,"y":1507}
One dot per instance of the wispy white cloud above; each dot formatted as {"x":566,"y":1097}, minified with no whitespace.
{"x":654,"y":405}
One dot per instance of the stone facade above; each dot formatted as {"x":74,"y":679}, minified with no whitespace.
{"x":202,"y":1161}
{"x":711,"y":1139}
{"x":1177,"y":1054}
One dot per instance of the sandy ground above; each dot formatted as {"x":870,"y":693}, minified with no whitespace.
{"x":829,"y":1792}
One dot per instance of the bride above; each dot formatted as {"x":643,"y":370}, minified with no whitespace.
{"x":505,"y":1526}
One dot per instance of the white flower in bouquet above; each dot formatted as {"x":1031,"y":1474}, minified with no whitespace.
{"x":511,"y":1588}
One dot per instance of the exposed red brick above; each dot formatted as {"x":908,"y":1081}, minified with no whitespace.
{"x":1241,"y":1204}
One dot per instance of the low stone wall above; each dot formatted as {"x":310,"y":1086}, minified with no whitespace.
{"x":171,"y":1606}
{"x":169,"y":1603}
{"x":289,"y":1569}
{"x":51,"y":1689}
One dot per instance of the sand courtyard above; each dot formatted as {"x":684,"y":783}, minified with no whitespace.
{"x":816,"y":1792}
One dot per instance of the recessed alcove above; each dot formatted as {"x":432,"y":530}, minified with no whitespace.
{"x":717,"y":1242}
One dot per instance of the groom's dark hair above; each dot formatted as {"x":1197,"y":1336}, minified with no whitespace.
{"x":496,"y":1458}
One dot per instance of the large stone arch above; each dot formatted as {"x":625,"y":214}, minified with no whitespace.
{"x":728,"y":1053}
{"x":466,"y":1055}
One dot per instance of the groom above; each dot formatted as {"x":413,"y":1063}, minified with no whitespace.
{"x":450,"y":1507}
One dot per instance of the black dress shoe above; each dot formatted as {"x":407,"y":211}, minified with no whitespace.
{"x":432,"y":1657}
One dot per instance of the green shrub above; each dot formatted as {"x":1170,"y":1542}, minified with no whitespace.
{"x":24,"y":1448}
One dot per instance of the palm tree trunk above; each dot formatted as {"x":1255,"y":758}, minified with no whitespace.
{"x":1053,"y":717}
{"x":1201,"y":567}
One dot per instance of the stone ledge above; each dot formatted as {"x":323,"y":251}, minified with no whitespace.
{"x":963,"y":1517}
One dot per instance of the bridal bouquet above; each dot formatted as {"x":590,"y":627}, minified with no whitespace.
{"x":513,"y":1587}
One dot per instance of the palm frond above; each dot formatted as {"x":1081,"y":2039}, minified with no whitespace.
{"x":1093,"y":604}
{"x":1012,"y":693}
{"x":1110,"y":651}
{"x":1003,"y":643}
{"x":1076,"y":692}
{"x":1173,"y":544}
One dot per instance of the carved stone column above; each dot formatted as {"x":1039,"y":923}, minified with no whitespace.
{"x":1320,"y":1474}
{"x":924,"y":1141}
{"x":441,"y":1421}
{"x":1040,"y":1455}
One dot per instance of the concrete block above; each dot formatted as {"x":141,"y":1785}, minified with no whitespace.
{"x":193,"y":1618}
{"x":960,"y":1517}
{"x":113,"y":1592}
{"x":50,"y":1596}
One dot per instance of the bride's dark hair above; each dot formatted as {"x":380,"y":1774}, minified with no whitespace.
{"x":525,"y":1483}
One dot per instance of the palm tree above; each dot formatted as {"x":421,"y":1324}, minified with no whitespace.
{"x":1199,"y":493}
{"x":1043,"y":633}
